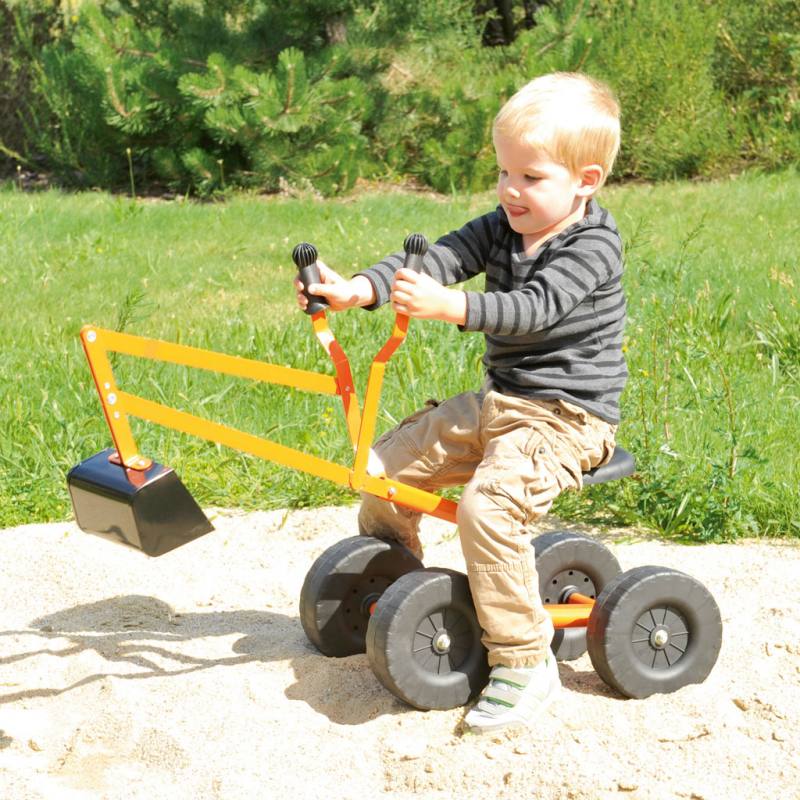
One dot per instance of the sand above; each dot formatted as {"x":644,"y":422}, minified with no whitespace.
{"x":189,"y":676}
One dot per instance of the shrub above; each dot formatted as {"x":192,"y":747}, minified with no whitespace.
{"x":657,"y":57}
{"x":756,"y":63}
{"x":194,"y":95}
{"x":208,"y":94}
{"x":443,"y":100}
{"x":19,"y":36}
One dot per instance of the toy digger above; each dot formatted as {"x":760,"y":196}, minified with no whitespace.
{"x":648,"y":630}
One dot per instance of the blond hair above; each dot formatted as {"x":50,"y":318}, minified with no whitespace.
{"x":571,"y":117}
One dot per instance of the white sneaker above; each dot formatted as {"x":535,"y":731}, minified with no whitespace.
{"x":515,"y":697}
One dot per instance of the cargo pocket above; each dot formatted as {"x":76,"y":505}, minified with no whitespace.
{"x":498,"y":491}
{"x":404,"y":423}
{"x":549,"y":475}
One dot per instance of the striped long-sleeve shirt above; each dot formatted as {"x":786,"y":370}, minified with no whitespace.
{"x":553,"y":321}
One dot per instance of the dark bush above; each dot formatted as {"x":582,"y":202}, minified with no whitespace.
{"x":756,"y":62}
{"x":201,"y":95}
{"x":657,"y":55}
{"x":20,"y":35}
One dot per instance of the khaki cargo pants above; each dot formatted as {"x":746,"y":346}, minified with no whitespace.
{"x":514,"y":456}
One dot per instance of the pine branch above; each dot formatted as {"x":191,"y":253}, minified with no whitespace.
{"x":13,"y":154}
{"x":119,"y":106}
{"x":289,"y":88}
{"x":208,"y":94}
{"x":121,"y":50}
{"x":565,"y":32}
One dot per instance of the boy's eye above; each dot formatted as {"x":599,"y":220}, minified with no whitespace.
{"x":532,"y":177}
{"x":503,"y":173}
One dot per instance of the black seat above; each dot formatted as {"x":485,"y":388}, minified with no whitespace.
{"x":621,"y":465}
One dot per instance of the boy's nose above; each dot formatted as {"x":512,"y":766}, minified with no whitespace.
{"x":512,"y":192}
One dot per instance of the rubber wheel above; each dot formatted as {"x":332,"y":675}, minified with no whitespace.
{"x":654,"y":630}
{"x":342,"y":585}
{"x":424,"y":640}
{"x":565,"y":562}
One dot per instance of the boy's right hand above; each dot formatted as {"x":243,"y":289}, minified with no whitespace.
{"x":339,"y":292}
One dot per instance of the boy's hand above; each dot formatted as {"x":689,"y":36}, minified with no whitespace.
{"x":339,"y":292}
{"x":418,"y":295}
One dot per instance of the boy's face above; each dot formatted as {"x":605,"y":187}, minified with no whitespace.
{"x":540,"y":196}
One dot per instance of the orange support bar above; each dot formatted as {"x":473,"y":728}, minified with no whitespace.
{"x":569,"y":615}
{"x":371,"y":398}
{"x":118,"y":406}
{"x":231,"y":437}
{"x":344,"y":377}
{"x":572,"y":614}
{"x":404,"y":495}
{"x":214,"y":362}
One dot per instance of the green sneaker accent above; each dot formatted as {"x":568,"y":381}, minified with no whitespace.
{"x":514,"y":697}
{"x":498,"y":701}
{"x":508,"y":683}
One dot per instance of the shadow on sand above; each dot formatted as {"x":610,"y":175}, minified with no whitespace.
{"x":143,"y":632}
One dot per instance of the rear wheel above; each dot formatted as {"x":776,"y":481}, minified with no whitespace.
{"x":424,"y":640}
{"x":343,"y":585}
{"x":569,"y":562}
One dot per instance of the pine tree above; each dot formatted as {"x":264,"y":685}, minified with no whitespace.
{"x":197,"y":104}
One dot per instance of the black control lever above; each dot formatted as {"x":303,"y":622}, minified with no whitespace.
{"x":305,"y":257}
{"x":415,"y":245}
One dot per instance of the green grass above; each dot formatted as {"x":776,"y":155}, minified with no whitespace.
{"x":713,"y":344}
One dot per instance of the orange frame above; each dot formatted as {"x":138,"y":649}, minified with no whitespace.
{"x":118,"y":406}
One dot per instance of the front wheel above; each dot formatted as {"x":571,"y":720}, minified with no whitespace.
{"x":654,"y":630}
{"x":424,"y":640}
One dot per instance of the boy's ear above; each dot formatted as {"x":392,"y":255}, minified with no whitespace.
{"x":591,"y":176}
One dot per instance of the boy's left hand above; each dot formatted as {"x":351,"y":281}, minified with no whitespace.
{"x":418,"y":295}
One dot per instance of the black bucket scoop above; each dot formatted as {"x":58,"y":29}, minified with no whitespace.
{"x":151,"y":510}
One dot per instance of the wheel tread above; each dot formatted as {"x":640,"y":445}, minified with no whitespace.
{"x":360,"y":551}
{"x":392,"y":628}
{"x":555,"y":552}
{"x":615,"y":611}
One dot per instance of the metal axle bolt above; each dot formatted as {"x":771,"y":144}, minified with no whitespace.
{"x":660,"y":638}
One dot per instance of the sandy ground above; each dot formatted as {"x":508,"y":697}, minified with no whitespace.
{"x":189,"y":676}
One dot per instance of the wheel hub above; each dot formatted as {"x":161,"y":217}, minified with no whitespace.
{"x":660,"y":637}
{"x":363,"y":595}
{"x":367,"y":603}
{"x":441,"y":642}
{"x":563,"y":584}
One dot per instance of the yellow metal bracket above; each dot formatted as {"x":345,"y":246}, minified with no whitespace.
{"x":372,"y":396}
{"x":96,"y":349}
{"x":118,"y":406}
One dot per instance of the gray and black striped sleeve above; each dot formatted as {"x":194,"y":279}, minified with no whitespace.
{"x":455,"y":257}
{"x":585,"y":260}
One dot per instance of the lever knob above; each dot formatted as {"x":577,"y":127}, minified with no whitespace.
{"x":415,"y":245}
{"x":304,"y":256}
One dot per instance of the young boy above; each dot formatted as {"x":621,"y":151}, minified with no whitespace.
{"x":552,"y":314}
